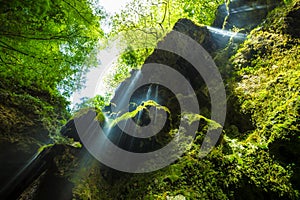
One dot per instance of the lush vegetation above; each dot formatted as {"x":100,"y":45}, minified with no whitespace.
{"x":260,"y":163}
{"x":44,"y":47}
{"x":143,"y":23}
{"x":47,"y":46}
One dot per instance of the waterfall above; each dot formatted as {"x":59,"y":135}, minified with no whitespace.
{"x":248,"y":8}
{"x":121,"y":106}
{"x":140,"y":113}
{"x":226,"y":33}
{"x":119,"y":98}
{"x":120,"y":137}
{"x":148,"y":96}
{"x":156,"y":100}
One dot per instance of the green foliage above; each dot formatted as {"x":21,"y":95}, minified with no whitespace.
{"x":129,"y":60}
{"x":97,"y":102}
{"x":45,"y":43}
{"x":45,"y":48}
{"x":143,"y":23}
{"x":155,"y":18}
{"x":287,"y":1}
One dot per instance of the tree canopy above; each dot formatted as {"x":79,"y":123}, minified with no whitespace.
{"x":143,"y":23}
{"x":44,"y":43}
{"x":46,"y":46}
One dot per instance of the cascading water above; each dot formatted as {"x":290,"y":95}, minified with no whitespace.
{"x":223,"y":38}
{"x":121,"y":105}
{"x":156,"y":100}
{"x":139,"y":118}
{"x":116,"y":133}
{"x":148,"y":96}
{"x":226,"y":33}
{"x":246,"y":8}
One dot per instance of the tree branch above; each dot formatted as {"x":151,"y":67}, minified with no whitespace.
{"x":19,"y":51}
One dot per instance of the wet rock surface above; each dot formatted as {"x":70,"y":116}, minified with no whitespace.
{"x":233,"y":21}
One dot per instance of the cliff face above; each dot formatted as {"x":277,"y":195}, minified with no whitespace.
{"x":258,"y":155}
{"x":25,"y":116}
{"x":221,"y":42}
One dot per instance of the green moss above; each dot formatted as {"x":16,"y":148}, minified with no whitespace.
{"x":133,"y":113}
{"x":42,"y":148}
{"x":191,"y":117}
{"x":270,"y":83}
